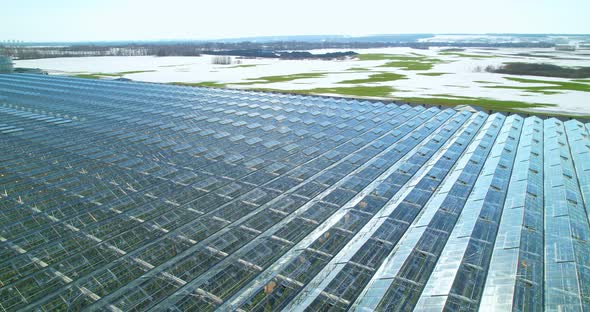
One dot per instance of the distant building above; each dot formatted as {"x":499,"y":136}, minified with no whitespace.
{"x":6,"y":64}
{"x":565,"y":47}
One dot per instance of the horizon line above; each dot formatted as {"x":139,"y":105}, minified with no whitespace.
{"x":247,"y":38}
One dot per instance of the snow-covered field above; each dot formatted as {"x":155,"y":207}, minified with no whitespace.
{"x":461,"y":78}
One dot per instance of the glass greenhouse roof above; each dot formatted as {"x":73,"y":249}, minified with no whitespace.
{"x":128,"y":196}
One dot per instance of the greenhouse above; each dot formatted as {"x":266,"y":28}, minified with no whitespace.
{"x":128,"y":196}
{"x":6,"y":65}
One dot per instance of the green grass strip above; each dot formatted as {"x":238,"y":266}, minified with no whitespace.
{"x":379,"y":77}
{"x":283,"y":78}
{"x":477,"y":56}
{"x":103,"y":75}
{"x":357,"y":91}
{"x":433,"y":74}
{"x":549,"y":85}
{"x":485,"y":103}
{"x":210,"y":84}
{"x":245,"y":65}
{"x":358,"y":69}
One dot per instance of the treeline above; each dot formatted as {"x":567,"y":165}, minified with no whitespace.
{"x":197,"y":48}
{"x":545,"y":70}
{"x":25,"y":53}
{"x":294,"y":55}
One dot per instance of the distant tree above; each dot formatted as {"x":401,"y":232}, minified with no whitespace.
{"x":221,"y":60}
{"x":161,"y":52}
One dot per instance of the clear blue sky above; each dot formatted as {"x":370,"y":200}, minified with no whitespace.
{"x":95,"y":20}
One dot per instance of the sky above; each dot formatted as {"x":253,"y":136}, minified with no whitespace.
{"x":114,"y":20}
